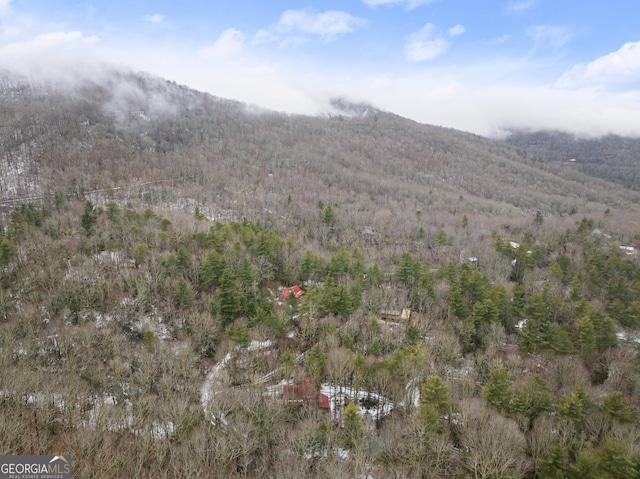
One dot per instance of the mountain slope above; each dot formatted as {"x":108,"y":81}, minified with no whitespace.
{"x":459,"y":301}
{"x":121,"y":130}
{"x":612,"y":157}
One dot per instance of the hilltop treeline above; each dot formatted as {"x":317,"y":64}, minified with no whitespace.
{"x":611,"y":157}
{"x":146,"y":343}
{"x":168,"y":145}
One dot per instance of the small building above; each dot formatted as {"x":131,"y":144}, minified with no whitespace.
{"x":404,"y":314}
{"x":305,"y":391}
{"x":295,"y":290}
{"x":629,"y":250}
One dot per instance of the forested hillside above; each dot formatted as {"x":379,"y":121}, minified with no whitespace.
{"x":461,"y":308}
{"x":611,"y":157}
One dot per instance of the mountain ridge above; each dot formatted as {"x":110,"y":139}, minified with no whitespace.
{"x":121,"y":126}
{"x":611,"y":157}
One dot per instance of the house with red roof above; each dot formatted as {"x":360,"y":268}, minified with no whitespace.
{"x":295,"y":290}
{"x":305,"y":391}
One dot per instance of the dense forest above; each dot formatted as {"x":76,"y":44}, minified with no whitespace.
{"x":611,"y":157}
{"x":193,"y":288}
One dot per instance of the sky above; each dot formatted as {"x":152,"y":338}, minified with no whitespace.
{"x":483,"y":66}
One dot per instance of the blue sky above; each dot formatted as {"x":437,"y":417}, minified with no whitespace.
{"x":480,"y":66}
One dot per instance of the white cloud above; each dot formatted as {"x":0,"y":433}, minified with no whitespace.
{"x":4,"y":6}
{"x":296,"y":26}
{"x":327,"y":25}
{"x":456,"y":30}
{"x":54,"y":54}
{"x":521,"y":6}
{"x":49,"y":41}
{"x":155,"y":18}
{"x":425,"y":44}
{"x":380,"y":82}
{"x":484,"y":97}
{"x":468,"y":100}
{"x":230,"y":44}
{"x":498,"y":41}
{"x":410,"y":4}
{"x":10,"y":31}
{"x":617,"y":68}
{"x":549,"y":35}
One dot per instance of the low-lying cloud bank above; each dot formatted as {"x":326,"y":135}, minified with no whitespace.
{"x":594,"y":99}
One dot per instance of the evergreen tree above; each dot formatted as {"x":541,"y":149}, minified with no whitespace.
{"x":573,"y":406}
{"x":353,"y":426}
{"x":311,"y":305}
{"x":343,"y":304}
{"x":518,"y":300}
{"x":496,"y":390}
{"x":230,"y":296}
{"x":532,"y":398}
{"x":211,"y":270}
{"x":435,"y":393}
{"x":288,"y":361}
{"x":140,"y":253}
{"x":245,"y":274}
{"x":408,"y":270}
{"x":442,"y":239}
{"x":7,"y":251}
{"x":113,"y":211}
{"x":183,"y":259}
{"x":554,"y":464}
{"x":316,"y":363}
{"x":485,"y":312}
{"x":534,"y":336}
{"x":457,"y":304}
{"x":586,"y":336}
{"x":375,"y":276}
{"x":198,"y":214}
{"x":239,"y":333}
{"x":328,"y":216}
{"x":605,"y":331}
{"x":89,"y":218}
{"x":182,"y":295}
{"x":616,"y":405}
{"x":538,"y":218}
{"x":310,"y":266}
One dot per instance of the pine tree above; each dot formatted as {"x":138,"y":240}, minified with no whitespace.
{"x":239,"y":333}
{"x":7,"y":251}
{"x":328,"y":216}
{"x":573,"y":406}
{"x":182,"y":295}
{"x":140,"y":253}
{"x":586,"y":336}
{"x":183,"y":259}
{"x":89,"y":218}
{"x":457,"y":304}
{"x":616,"y":405}
{"x":408,"y":270}
{"x":485,"y":312}
{"x":343,"y":304}
{"x":496,"y":389}
{"x":435,"y":393}
{"x":211,"y":270}
{"x":353,"y":426}
{"x":230,"y":296}
{"x":532,"y":398}
{"x":316,"y":363}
